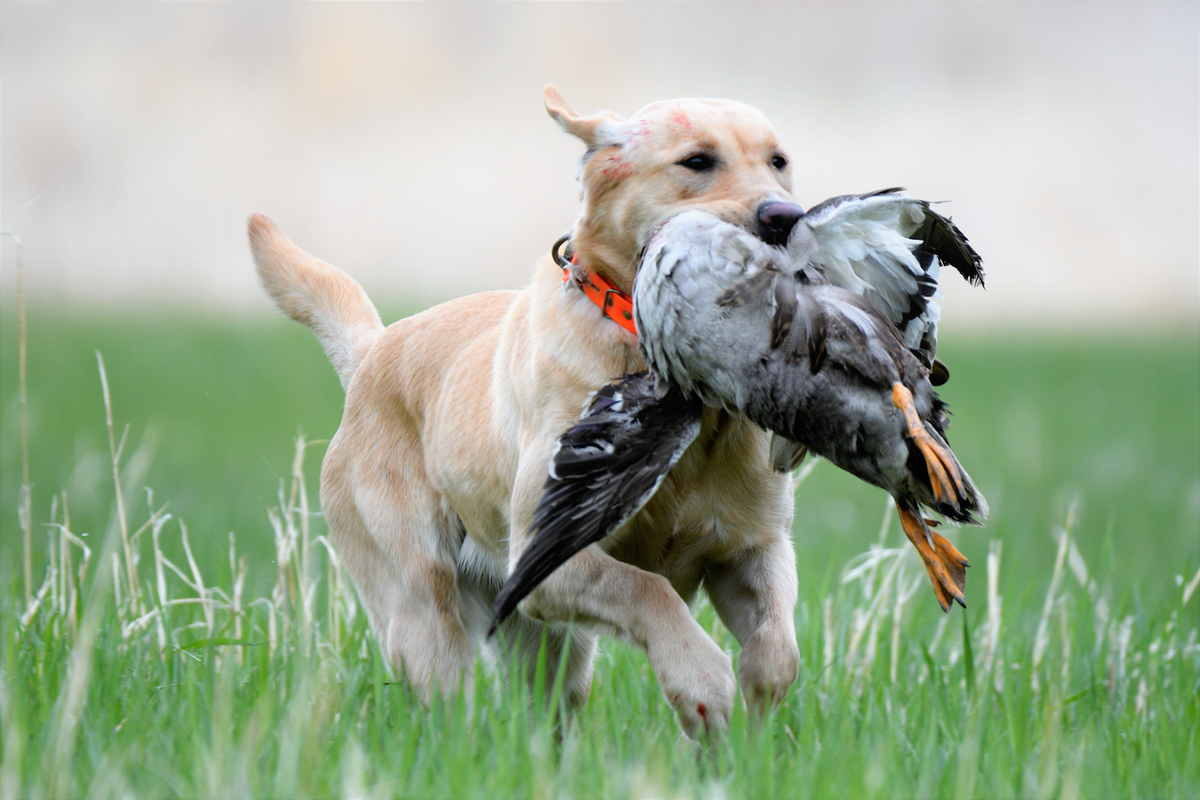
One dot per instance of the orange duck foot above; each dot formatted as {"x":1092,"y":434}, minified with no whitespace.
{"x":947,"y":567}
{"x":944,"y":477}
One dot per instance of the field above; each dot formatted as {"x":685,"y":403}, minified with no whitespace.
{"x":213,"y":649}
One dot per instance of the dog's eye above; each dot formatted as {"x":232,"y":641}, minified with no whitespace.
{"x":698,"y":163}
{"x":779,"y":162}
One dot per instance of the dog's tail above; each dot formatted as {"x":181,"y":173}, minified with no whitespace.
{"x":321,"y":296}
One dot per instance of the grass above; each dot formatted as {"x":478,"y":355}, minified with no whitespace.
{"x":204,"y":664}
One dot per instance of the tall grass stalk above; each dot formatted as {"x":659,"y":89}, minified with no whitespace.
{"x":115,"y":451}
{"x":25,"y":508}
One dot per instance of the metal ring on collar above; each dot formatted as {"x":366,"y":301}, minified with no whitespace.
{"x":558,"y":256}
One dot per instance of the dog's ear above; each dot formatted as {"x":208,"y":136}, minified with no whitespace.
{"x":599,"y":130}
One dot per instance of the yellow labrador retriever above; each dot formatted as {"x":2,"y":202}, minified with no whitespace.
{"x":451,"y":418}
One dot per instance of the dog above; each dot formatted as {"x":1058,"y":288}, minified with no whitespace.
{"x":451,"y":416}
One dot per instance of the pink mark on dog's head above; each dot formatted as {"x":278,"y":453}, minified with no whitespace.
{"x":616,"y":168}
{"x":680,"y":118}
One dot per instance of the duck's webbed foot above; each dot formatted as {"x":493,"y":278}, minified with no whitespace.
{"x":945,"y":477}
{"x":947,"y":567}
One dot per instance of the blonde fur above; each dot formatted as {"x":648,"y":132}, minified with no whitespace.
{"x":451,"y":415}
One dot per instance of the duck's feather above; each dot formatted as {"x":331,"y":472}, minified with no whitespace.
{"x":888,"y":248}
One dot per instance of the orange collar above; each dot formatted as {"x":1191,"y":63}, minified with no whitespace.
{"x":615,"y":304}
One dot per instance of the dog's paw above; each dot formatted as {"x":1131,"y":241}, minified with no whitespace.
{"x":767,"y":668}
{"x":697,"y":679}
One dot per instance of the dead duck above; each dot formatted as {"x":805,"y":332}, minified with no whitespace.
{"x":729,"y":319}
{"x":725,"y":319}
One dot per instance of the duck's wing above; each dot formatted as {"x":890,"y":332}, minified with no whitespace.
{"x":889,"y":248}
{"x":604,"y":469}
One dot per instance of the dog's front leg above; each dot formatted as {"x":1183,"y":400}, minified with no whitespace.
{"x":593,"y":588}
{"x":755,"y":595}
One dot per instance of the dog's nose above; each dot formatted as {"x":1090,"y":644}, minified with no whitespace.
{"x":776,"y":220}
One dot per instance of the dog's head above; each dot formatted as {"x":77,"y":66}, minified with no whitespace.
{"x":719,"y":155}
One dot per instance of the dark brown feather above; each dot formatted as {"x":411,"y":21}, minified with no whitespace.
{"x":785,"y":310}
{"x":739,"y":294}
{"x":942,"y":238}
{"x":816,"y":329}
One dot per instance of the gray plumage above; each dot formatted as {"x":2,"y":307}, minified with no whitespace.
{"x":736,"y":322}
{"x":888,"y":248}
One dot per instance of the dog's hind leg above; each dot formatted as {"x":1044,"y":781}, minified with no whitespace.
{"x":401,"y":546}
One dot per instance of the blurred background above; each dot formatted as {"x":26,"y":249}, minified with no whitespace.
{"x":407,"y":144}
